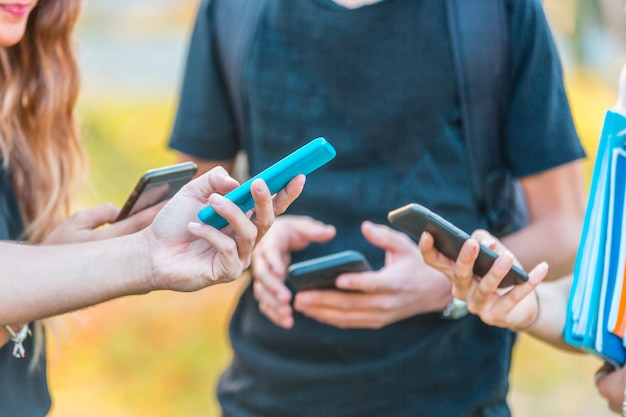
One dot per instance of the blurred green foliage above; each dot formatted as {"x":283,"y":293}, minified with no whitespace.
{"x":123,"y":139}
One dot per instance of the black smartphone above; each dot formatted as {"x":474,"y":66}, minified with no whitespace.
{"x":157,"y":185}
{"x":414,"y":219}
{"x":321,"y":273}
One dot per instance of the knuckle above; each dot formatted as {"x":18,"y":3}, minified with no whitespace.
{"x":482,"y":292}
{"x":387,"y":305}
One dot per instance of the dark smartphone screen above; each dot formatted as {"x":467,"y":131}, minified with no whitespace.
{"x":321,"y":273}
{"x":414,"y":219}
{"x":157,"y":185}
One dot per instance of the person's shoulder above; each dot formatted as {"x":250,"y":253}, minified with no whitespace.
{"x":527,"y":19}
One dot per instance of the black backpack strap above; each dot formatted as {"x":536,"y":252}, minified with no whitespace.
{"x":236,"y":22}
{"x":480,"y":45}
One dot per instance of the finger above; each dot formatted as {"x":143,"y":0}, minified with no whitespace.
{"x":611,"y":386}
{"x":344,"y":310}
{"x":513,"y":297}
{"x":134,"y":223}
{"x":480,"y":295}
{"x":604,"y":370}
{"x":245,"y":231}
{"x":463,"y":276}
{"x":489,"y":241}
{"x":96,"y":216}
{"x":266,"y":274}
{"x":226,"y":248}
{"x":216,"y":180}
{"x":277,"y":311}
{"x":304,"y":230}
{"x":339,"y":300}
{"x":386,"y":238}
{"x":344,"y":319}
{"x":287,"y":195}
{"x":263,"y":207}
{"x":367,"y":282}
{"x":434,"y":258}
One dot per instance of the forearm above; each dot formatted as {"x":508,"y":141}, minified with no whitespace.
{"x":551,"y":239}
{"x":556,"y":210}
{"x":550,"y":324}
{"x":42,"y":281}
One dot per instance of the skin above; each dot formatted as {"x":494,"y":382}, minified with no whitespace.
{"x":536,"y":307}
{"x":174,"y":252}
{"x":12,"y":28}
{"x":353,"y":4}
{"x":518,"y":309}
{"x":556,"y":204}
{"x":137,"y":255}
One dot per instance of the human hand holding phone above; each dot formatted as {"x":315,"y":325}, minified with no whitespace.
{"x":157,"y":185}
{"x":515,"y":307}
{"x":415,"y":219}
{"x":270,"y":261}
{"x":405,"y":286}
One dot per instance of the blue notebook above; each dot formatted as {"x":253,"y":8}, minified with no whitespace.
{"x":599,"y":262}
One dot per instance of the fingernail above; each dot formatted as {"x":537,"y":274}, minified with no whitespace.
{"x":304,"y":300}
{"x":487,"y":241}
{"x":283,"y":310}
{"x":505,"y":260}
{"x":374,"y":229}
{"x":542,"y":267}
{"x":599,"y":375}
{"x":193,"y":226}
{"x":217,"y":200}
{"x":283,"y":296}
{"x":343,"y":282}
{"x":467,"y":249}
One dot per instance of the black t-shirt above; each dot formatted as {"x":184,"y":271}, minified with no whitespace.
{"x":23,"y":391}
{"x":378,"y":83}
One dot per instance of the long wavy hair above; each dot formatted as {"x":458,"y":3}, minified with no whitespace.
{"x":39,"y":141}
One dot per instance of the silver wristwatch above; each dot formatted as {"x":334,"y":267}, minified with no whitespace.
{"x":455,"y":310}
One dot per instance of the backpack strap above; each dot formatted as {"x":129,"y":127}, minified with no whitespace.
{"x":480,"y":48}
{"x":236,"y":23}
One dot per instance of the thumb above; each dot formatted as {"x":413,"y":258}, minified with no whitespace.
{"x":385,"y":237}
{"x":96,"y":216}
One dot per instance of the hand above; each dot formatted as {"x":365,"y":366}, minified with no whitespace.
{"x":515,"y":308}
{"x":272,"y":257}
{"x":85,"y":225}
{"x":186,"y":255}
{"x":404,"y":287}
{"x":610,"y":383}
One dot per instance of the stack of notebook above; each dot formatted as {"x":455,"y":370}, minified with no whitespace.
{"x":595,"y":316}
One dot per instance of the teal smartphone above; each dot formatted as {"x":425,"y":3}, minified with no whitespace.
{"x":414,"y":219}
{"x":157,"y":185}
{"x":305,"y":160}
{"x":321,"y":273}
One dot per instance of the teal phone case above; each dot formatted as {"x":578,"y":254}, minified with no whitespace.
{"x":305,"y":160}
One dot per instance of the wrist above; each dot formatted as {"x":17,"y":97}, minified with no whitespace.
{"x":456,"y":309}
{"x":138,"y":263}
{"x":532,"y":323}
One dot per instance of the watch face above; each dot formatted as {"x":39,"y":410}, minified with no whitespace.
{"x":455,"y":310}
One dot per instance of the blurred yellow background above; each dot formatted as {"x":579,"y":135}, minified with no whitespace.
{"x":161,"y":354}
